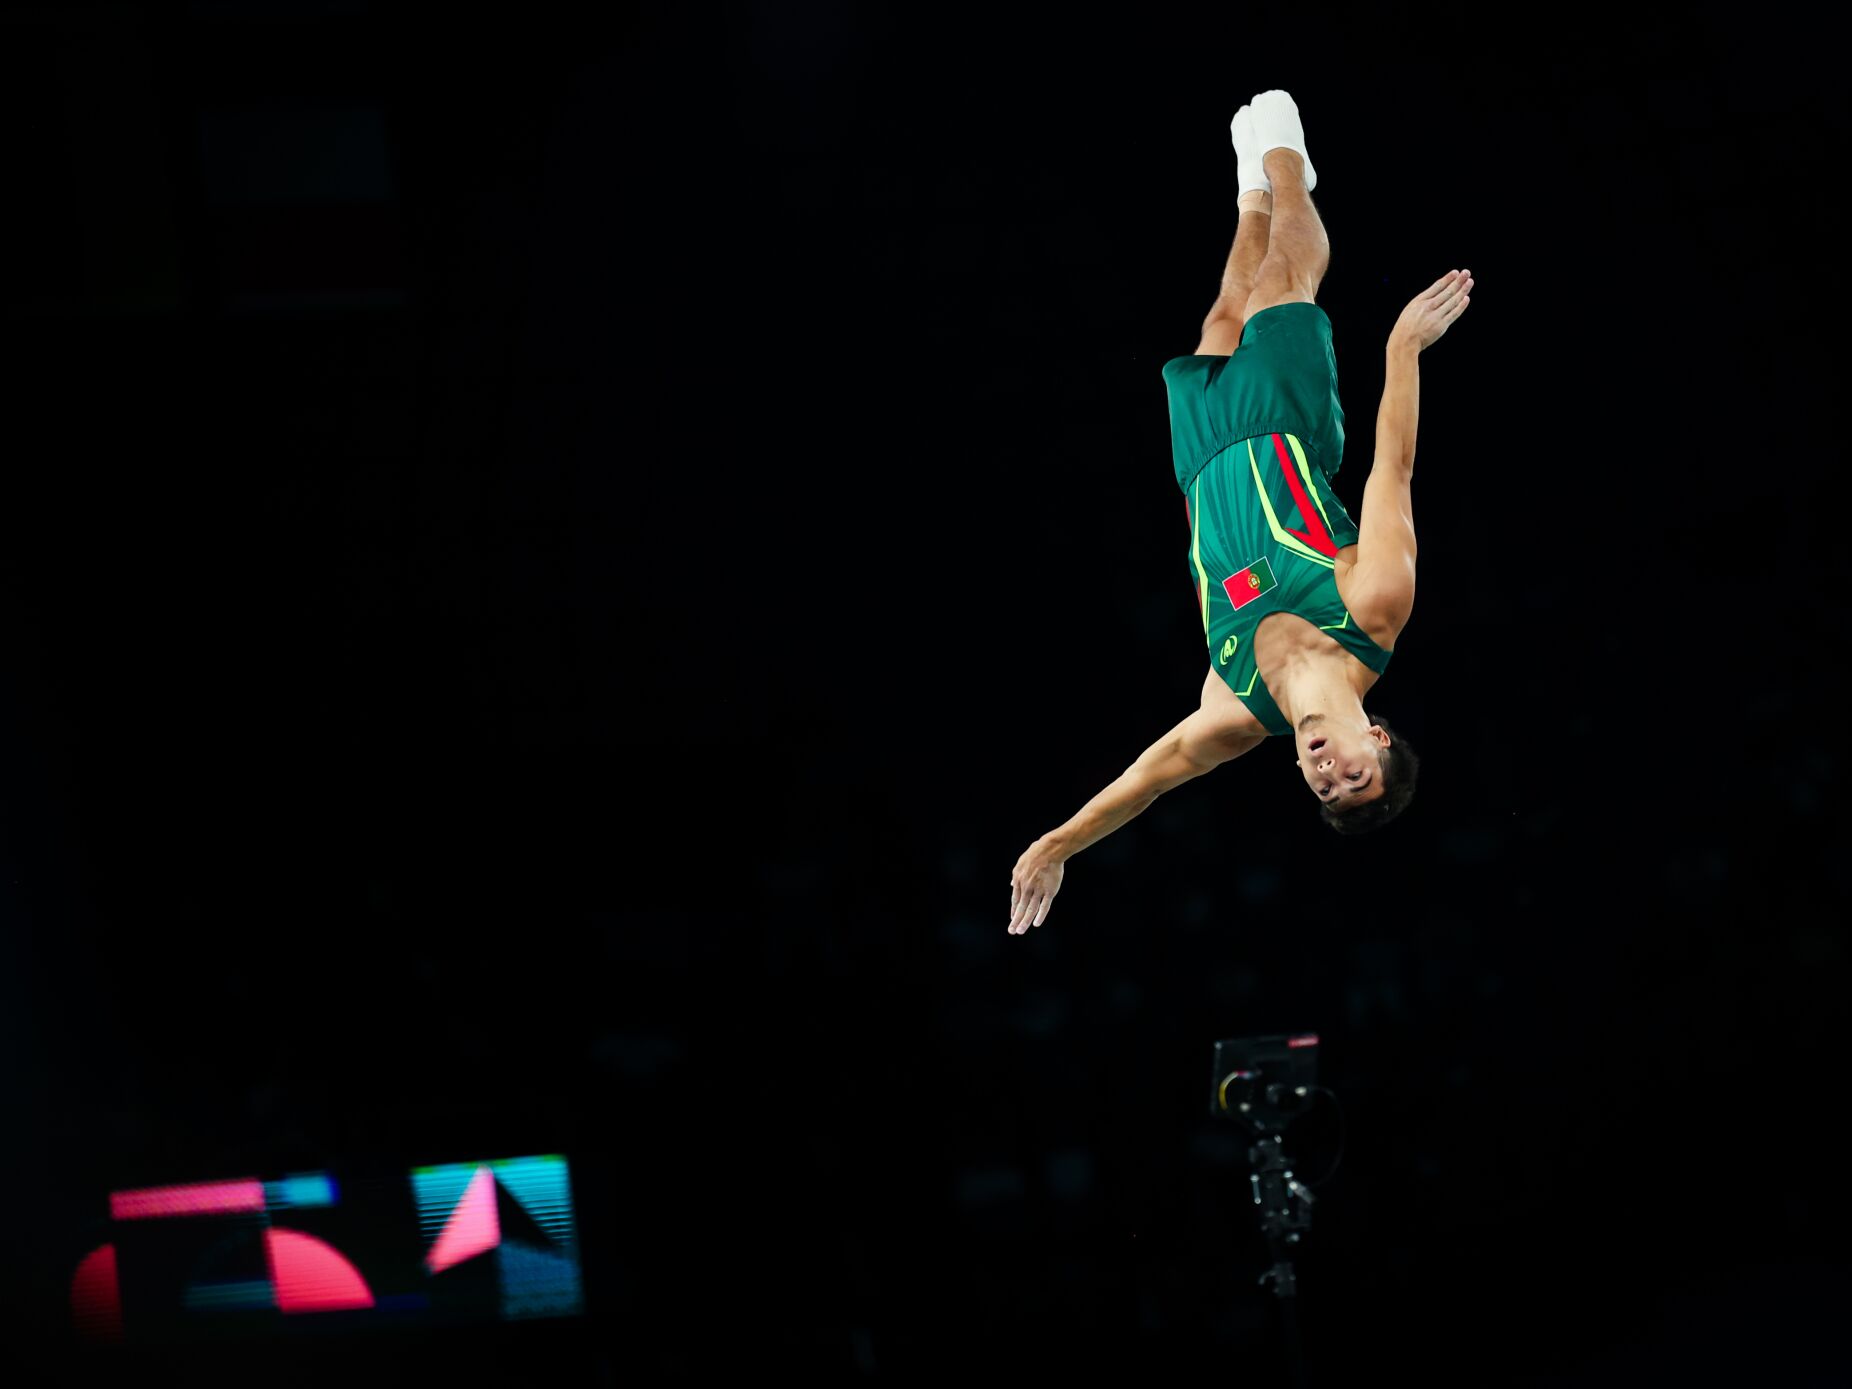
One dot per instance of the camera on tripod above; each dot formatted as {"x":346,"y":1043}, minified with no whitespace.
{"x":1263,"y":1083}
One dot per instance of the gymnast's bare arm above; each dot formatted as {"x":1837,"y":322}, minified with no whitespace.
{"x":1219,"y":731}
{"x":1379,"y":584}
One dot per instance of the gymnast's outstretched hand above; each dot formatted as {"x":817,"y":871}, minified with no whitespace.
{"x":1034,"y":881}
{"x":1433,"y":311}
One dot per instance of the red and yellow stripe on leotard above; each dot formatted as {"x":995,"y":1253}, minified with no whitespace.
{"x":1313,"y":543}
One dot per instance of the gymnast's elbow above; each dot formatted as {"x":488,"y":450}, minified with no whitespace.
{"x":1395,"y":453}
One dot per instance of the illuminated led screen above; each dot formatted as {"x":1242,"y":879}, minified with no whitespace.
{"x":465,"y":1241}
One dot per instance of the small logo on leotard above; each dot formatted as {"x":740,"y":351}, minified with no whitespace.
{"x":1228,"y":649}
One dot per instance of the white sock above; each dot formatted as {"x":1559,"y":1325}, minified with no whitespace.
{"x":1277,"y":126}
{"x":1248,"y":171}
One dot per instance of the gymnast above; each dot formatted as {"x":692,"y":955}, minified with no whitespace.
{"x":1300,"y":605}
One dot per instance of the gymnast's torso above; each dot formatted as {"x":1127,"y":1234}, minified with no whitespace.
{"x":1283,"y":639}
{"x":1268,"y":538}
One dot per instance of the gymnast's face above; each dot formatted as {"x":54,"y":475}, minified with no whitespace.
{"x":1343,"y":765}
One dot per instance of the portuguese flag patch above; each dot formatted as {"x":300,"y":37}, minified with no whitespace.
{"x":1250,"y":583}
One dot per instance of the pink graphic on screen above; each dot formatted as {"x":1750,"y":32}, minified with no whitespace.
{"x":473,"y":1228}
{"x":311,"y":1275}
{"x":96,"y":1300}
{"x":201,"y":1198}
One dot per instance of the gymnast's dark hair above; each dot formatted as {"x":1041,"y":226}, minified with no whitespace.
{"x":1399,"y":768}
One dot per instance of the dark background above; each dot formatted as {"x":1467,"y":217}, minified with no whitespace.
{"x":554,"y":558}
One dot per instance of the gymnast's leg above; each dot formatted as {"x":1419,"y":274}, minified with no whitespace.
{"x":1221,"y":332}
{"x":1222,"y":328}
{"x":1297,"y":249}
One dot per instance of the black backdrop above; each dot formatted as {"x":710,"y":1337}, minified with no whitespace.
{"x":554,"y":559}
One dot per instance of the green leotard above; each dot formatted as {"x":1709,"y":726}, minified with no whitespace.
{"x":1256,"y":438}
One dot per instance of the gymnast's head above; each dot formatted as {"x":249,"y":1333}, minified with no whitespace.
{"x":1362,"y":772}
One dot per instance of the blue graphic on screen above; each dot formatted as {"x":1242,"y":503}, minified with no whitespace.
{"x":519,"y":1210}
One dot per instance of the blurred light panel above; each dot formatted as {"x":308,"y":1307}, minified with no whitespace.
{"x":458,"y":1242}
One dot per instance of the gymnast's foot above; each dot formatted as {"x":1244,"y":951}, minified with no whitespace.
{"x":1275,"y":117}
{"x":1248,"y":171}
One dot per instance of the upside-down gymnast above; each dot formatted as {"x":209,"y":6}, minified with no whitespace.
{"x":1300,"y":606}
